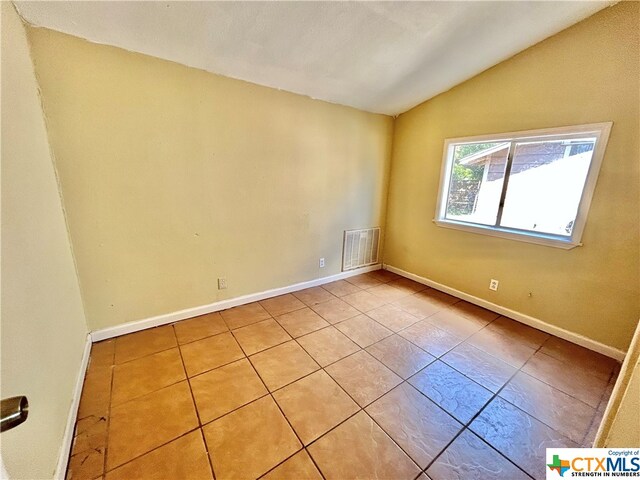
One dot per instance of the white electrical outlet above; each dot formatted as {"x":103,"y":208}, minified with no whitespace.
{"x":222,"y":283}
{"x":322,"y":262}
{"x":493,"y":285}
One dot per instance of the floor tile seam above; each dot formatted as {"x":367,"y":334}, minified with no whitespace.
{"x":315,"y":463}
{"x":375,"y":321}
{"x":602,"y":399}
{"x":508,"y":336}
{"x":591,"y":423}
{"x":469,"y":426}
{"x":375,"y":399}
{"x":434,"y":359}
{"x":206,"y":448}
{"x":274,"y":316}
{"x":574,"y":367}
{"x":364,"y":409}
{"x":517,"y":369}
{"x":291,"y":335}
{"x":335,"y":361}
{"x":218,"y":366}
{"x":149,"y":392}
{"x":486,"y":353}
{"x":362,"y":312}
{"x":263,"y":350}
{"x":364,"y":288}
{"x":318,"y":286}
{"x":456,"y":370}
{"x":547,"y":423}
{"x":462,"y":426}
{"x":472,"y":419}
{"x":425,"y":319}
{"x":180,"y":344}
{"x":112,"y":376}
{"x":269,"y":394}
{"x":522,"y":410}
{"x":468,"y":336}
{"x":106,"y":446}
{"x":260,"y":351}
{"x":246,"y":325}
{"x":494,"y":355}
{"x":341,"y":296}
{"x":304,"y":449}
{"x":266,"y":388}
{"x":146,"y":355}
{"x":425,"y":350}
{"x":569,"y":362}
{"x":273,"y":399}
{"x":173,"y":439}
{"x":197,"y":411}
{"x":193,"y":400}
{"x":487,"y":444}
{"x":497,"y":394}
{"x":573,"y":397}
{"x":562,"y":390}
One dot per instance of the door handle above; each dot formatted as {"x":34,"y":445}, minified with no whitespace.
{"x":13,"y":411}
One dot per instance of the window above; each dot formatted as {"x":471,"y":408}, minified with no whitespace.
{"x":533,"y":186}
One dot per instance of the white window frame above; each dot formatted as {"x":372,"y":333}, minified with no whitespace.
{"x":600,"y":131}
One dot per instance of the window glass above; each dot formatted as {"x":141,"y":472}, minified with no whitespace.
{"x":545,"y":185}
{"x":477,"y":177}
{"x":533,"y":186}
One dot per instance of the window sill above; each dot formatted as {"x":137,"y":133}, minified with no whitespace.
{"x":539,"y":239}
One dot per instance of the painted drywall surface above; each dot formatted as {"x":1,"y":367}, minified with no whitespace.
{"x":172,"y":177}
{"x":43,"y":326}
{"x":587,"y":73}
{"x":620,"y":426}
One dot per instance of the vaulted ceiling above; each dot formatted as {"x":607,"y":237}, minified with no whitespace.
{"x":383,"y":57}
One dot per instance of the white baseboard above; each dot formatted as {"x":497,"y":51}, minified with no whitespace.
{"x":67,"y":439}
{"x":521,"y":317}
{"x":166,"y":318}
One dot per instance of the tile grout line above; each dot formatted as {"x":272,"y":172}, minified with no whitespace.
{"x":105,"y":470}
{"x":279,"y":388}
{"x":386,"y":302}
{"x":468,"y":424}
{"x":188,"y":432}
{"x":538,"y":348}
{"x":111,"y":377}
{"x":195,"y":407}
{"x":270,"y":394}
{"x":188,"y":380}
{"x":112,"y":369}
{"x":465,"y":426}
{"x":582,"y":444}
{"x":360,"y":408}
{"x":497,"y":393}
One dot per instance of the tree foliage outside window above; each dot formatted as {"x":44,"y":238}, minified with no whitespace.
{"x":465,"y":179}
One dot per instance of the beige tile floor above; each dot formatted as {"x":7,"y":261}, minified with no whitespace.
{"x":374,"y":377}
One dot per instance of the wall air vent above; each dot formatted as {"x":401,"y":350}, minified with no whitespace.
{"x":360,"y":248}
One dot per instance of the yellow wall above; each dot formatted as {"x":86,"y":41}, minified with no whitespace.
{"x":43,"y":326}
{"x":172,"y":177}
{"x":587,"y":73}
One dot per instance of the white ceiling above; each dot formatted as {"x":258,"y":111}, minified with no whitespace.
{"x":383,"y":57}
